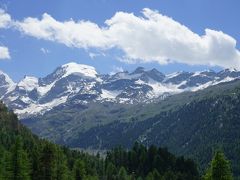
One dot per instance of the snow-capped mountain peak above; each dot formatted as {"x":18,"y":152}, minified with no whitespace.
{"x":6,"y":84}
{"x":79,"y":69}
{"x":7,"y":79}
{"x":28,"y":83}
{"x":74,"y":83}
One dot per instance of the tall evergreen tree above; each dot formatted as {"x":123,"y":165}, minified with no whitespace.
{"x":79,"y":172}
{"x":219,"y":168}
{"x":2,"y":163}
{"x":62,"y":172}
{"x":111,"y":171}
{"x":48,"y":162}
{"x":156,"y":175}
{"x":122,"y":174}
{"x":17,"y":162}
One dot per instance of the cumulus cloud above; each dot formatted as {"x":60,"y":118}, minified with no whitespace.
{"x":5,"y":19}
{"x":4,"y":53}
{"x":147,"y":38}
{"x":82,"y":34}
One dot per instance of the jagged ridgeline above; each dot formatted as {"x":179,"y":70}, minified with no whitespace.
{"x":24,"y":156}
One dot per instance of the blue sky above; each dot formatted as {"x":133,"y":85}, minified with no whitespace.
{"x":34,"y":55}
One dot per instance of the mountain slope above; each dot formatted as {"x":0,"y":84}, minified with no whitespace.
{"x":190,"y":123}
{"x":209,"y":121}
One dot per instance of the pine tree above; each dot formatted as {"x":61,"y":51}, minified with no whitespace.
{"x":7,"y":169}
{"x":111,"y":171}
{"x":79,"y":172}
{"x":61,"y":166}
{"x":35,"y":162}
{"x":48,"y":162}
{"x":219,"y":169}
{"x":17,"y":163}
{"x":156,"y":175}
{"x":122,"y":174}
{"x":2,"y":163}
{"x":150,"y":176}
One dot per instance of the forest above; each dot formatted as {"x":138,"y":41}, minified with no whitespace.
{"x":24,"y":156}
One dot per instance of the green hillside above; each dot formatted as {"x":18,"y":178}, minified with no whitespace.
{"x":24,"y":156}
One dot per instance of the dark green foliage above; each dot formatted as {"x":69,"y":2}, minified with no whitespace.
{"x":219,"y":168}
{"x":122,"y":174}
{"x":62,"y":171}
{"x":17,"y":163}
{"x":150,"y":162}
{"x":111,"y":171}
{"x":48,"y":162}
{"x":79,"y":171}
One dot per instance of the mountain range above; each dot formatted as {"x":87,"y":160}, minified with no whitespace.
{"x":191,"y":113}
{"x":81,"y":84}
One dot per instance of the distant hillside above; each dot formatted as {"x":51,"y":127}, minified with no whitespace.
{"x":24,"y":156}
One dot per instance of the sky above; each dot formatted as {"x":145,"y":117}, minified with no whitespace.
{"x":113,"y":35}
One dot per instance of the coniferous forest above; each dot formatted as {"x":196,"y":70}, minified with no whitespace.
{"x":25,"y":156}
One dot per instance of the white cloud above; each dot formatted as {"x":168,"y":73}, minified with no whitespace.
{"x":5,"y":19}
{"x":147,"y":38}
{"x":44,"y":50}
{"x":155,"y":37}
{"x":4,"y":53}
{"x":82,"y":34}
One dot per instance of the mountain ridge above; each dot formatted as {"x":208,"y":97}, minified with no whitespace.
{"x":32,"y":96}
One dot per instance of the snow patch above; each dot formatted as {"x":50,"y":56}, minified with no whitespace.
{"x":42,"y":90}
{"x":33,"y":109}
{"x":161,"y":88}
{"x":10,"y":84}
{"x":109,"y":94}
{"x":212,"y":83}
{"x":172,"y":75}
{"x":28,"y":83}
{"x":79,"y":69}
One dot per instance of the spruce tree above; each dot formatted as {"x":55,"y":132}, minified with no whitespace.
{"x":219,"y":169}
{"x":79,"y":172}
{"x":7,"y":169}
{"x":62,"y":172}
{"x":2,"y":163}
{"x":150,"y":176}
{"x":122,"y":174}
{"x":48,"y":162}
{"x":17,"y":163}
{"x":111,"y":171}
{"x":156,"y":175}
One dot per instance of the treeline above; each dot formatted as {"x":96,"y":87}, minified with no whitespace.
{"x":151,"y":163}
{"x":24,"y":156}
